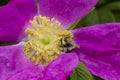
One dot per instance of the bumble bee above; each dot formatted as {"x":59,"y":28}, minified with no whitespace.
{"x":66,"y":44}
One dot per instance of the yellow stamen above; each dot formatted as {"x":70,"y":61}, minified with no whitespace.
{"x":43,"y":46}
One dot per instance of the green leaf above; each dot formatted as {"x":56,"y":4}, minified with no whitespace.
{"x":101,"y":2}
{"x":87,"y":20}
{"x":81,"y":73}
{"x":3,"y":2}
{"x":96,"y":17}
{"x":97,"y":78}
{"x":92,"y":18}
{"x":8,"y":43}
{"x":105,"y":16}
{"x":112,"y":6}
{"x":117,"y":15}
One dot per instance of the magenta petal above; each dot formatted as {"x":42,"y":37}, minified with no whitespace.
{"x":62,"y":67}
{"x":66,"y":11}
{"x":13,"y":18}
{"x":106,"y":67}
{"x":15,"y":66}
{"x":100,"y":49}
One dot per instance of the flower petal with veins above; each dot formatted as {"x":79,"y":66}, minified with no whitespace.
{"x":66,"y":11}
{"x":13,"y":17}
{"x":100,"y":49}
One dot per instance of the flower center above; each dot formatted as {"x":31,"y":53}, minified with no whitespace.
{"x":3,"y":2}
{"x":47,"y":40}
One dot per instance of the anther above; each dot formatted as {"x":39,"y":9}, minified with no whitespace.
{"x":47,"y":40}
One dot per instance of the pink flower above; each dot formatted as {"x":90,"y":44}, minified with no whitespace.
{"x":99,"y":44}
